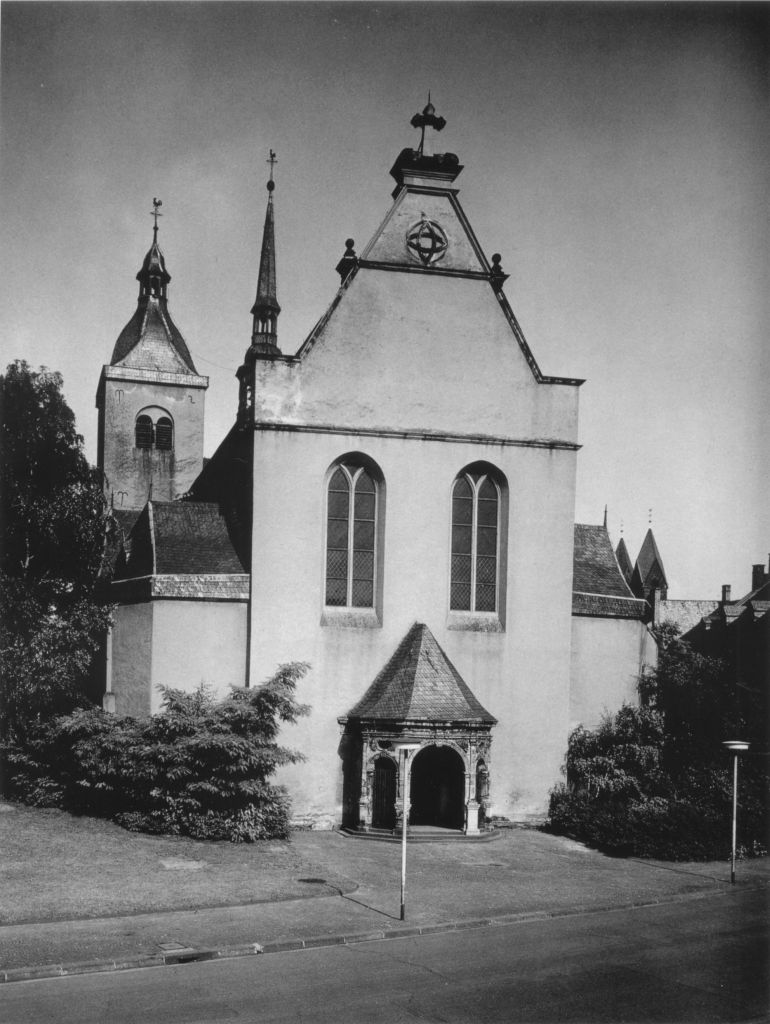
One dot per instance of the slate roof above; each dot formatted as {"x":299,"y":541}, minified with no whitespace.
{"x":624,"y":560}
{"x":266,"y":290}
{"x":649,"y":558}
{"x":595,"y":567}
{"x":152,"y":341}
{"x":173,"y":538}
{"x":599,"y":588}
{"x":420,"y":683}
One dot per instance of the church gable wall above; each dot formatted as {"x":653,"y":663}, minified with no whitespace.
{"x":518,"y":667}
{"x":410,"y":209}
{"x":422,"y":352}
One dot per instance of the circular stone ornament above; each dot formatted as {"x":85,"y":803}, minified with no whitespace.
{"x":426,"y":241}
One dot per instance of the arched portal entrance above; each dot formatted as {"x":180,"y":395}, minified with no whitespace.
{"x":384,"y":793}
{"x":438,"y":788}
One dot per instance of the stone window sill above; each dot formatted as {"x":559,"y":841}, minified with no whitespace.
{"x":350,"y":618}
{"x":475,"y":622}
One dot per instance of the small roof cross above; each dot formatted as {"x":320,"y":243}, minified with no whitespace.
{"x":427,"y":119}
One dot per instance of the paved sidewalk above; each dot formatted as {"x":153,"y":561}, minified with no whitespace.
{"x":521,"y":874}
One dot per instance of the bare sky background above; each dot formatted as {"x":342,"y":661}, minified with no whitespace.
{"x":615,"y":154}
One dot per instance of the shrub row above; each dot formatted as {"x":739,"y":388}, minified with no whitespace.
{"x":199,"y":767}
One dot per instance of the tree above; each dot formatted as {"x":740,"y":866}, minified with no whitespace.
{"x":653,"y":779}
{"x":53,"y":529}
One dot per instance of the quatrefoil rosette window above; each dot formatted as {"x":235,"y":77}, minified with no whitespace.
{"x":426,"y":241}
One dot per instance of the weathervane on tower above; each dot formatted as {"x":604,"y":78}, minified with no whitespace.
{"x":156,"y":203}
{"x":272,"y":160}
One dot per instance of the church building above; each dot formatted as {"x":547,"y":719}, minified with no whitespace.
{"x":394,"y":505}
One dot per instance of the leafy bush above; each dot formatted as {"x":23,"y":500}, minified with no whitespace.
{"x":653,"y":780}
{"x":200,"y":767}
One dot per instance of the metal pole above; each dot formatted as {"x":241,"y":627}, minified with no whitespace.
{"x":735,"y":816}
{"x":403,"y":840}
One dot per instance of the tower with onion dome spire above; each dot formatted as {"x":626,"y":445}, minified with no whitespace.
{"x":150,"y":398}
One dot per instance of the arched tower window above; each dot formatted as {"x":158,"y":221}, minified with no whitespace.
{"x":475,"y":542}
{"x":352,"y":510}
{"x":144,"y":432}
{"x":154,"y":428}
{"x":164,"y":434}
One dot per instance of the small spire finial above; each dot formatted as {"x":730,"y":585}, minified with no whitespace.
{"x":649,"y":515}
{"x":621,"y":527}
{"x":272,"y":160}
{"x":156,"y":203}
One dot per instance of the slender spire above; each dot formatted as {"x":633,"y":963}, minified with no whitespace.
{"x":264,"y":335}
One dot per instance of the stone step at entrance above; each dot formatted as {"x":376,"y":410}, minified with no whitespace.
{"x":421,"y":834}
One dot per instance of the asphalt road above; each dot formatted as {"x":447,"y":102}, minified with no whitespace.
{"x":699,"y":960}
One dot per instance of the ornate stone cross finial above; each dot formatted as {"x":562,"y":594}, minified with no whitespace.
{"x":427,"y":119}
{"x":272,"y":160}
{"x":156,"y":203}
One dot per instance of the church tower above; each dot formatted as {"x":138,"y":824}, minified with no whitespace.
{"x":150,"y":399}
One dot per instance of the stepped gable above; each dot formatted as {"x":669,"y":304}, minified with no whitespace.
{"x":598,"y":585}
{"x":420,"y":683}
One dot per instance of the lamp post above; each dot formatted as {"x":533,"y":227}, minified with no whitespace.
{"x":404,"y":749}
{"x":735,"y":747}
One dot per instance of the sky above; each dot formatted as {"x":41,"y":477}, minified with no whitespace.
{"x":616,"y":155}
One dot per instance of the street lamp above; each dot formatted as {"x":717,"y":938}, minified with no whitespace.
{"x":406,"y":749}
{"x":736,"y":747}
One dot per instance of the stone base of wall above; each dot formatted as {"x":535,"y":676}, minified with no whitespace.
{"x":314,"y":822}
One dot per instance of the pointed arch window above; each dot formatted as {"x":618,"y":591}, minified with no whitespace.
{"x":352,"y":509}
{"x":475,"y":543}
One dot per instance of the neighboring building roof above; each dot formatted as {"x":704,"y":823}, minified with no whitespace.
{"x":649,"y":561}
{"x":181,"y":538}
{"x":624,"y":560}
{"x":420,"y":683}
{"x":598,"y":586}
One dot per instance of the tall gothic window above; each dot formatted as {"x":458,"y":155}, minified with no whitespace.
{"x":475,"y":543}
{"x":351,"y":537}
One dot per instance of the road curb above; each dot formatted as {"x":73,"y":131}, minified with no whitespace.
{"x":191,"y":955}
